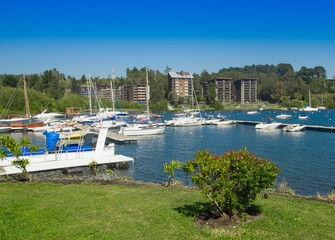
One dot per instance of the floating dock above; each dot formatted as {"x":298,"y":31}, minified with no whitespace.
{"x":307,"y":127}
{"x":121,"y":139}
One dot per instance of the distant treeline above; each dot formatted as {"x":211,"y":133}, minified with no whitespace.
{"x":276,"y":84}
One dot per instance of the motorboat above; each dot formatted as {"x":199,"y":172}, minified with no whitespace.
{"x":283,"y":116}
{"x":174,"y":119}
{"x":294,"y":128}
{"x":268,"y":124}
{"x":223,"y":120}
{"x":45,"y":115}
{"x":303,"y":116}
{"x":211,"y":120}
{"x":252,"y":112}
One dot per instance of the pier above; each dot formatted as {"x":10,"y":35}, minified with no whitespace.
{"x":121,"y":139}
{"x":308,"y":127}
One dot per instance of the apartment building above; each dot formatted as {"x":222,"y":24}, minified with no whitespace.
{"x":181,"y":83}
{"x":134,"y":93}
{"x":228,"y":90}
{"x":246,"y":90}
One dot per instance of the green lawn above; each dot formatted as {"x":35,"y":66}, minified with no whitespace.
{"x":92,"y":211}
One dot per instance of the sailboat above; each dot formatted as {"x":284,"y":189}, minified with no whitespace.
{"x":143,"y":129}
{"x":18,"y":122}
{"x":309,"y":108}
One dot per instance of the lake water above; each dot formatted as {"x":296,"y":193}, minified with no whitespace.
{"x":307,"y":159}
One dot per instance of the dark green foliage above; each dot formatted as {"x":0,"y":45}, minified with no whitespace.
{"x":10,"y":81}
{"x":231,"y":181}
{"x":159,"y":106}
{"x":217,"y":105}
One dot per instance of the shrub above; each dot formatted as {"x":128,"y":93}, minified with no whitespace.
{"x":231,"y":181}
{"x":169,"y":169}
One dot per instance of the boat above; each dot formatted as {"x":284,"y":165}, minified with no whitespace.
{"x":190,"y":119}
{"x":252,"y":112}
{"x":223,"y":120}
{"x":303,"y":116}
{"x":283,"y":116}
{"x":268,"y":124}
{"x":17,"y":123}
{"x":5,"y":128}
{"x":45,"y":115}
{"x":174,"y":119}
{"x":294,"y":128}
{"x":148,"y":128}
{"x":59,"y":155}
{"x":211,"y":120}
{"x":309,"y":108}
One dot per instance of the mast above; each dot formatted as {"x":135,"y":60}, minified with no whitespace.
{"x":309,"y":94}
{"x":89,"y":92}
{"x":147,"y":93}
{"x":112,"y":90}
{"x":26,"y":99}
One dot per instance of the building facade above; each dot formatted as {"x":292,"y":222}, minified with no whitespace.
{"x":134,"y":93}
{"x":246,"y":90}
{"x":181,"y":83}
{"x":228,"y":90}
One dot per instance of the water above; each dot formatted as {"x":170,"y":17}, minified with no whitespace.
{"x":307,"y":159}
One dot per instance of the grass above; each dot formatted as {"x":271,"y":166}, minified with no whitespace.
{"x":92,"y":211}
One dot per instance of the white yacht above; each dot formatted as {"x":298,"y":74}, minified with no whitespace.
{"x":294,"y":128}
{"x":268,"y":124}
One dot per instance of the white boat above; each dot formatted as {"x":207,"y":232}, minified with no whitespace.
{"x":188,"y":122}
{"x":223,"y":120}
{"x":303,"y":116}
{"x":210,"y":120}
{"x":321,"y":108}
{"x":309,"y":108}
{"x":143,"y":129}
{"x":4,"y":129}
{"x":283,"y":116}
{"x":268,"y":124}
{"x":252,"y":112}
{"x":59,"y":156}
{"x":45,"y":115}
{"x":294,"y":128}
{"x":175,"y":119}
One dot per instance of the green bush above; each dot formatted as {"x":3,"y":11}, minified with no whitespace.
{"x":231,"y":181}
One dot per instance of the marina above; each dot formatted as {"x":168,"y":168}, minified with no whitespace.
{"x":305,"y":157}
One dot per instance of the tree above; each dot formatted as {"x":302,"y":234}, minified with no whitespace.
{"x":10,"y":81}
{"x":167,"y":70}
{"x":211,"y":93}
{"x":278,"y":91}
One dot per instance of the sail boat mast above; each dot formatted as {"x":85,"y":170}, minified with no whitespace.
{"x":112,"y":90}
{"x":147,"y":93}
{"x":26,"y":98}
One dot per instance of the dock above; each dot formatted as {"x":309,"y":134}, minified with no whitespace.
{"x":121,"y":139}
{"x":307,"y":127}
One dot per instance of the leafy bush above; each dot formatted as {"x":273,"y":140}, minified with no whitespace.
{"x":231,"y":181}
{"x":15,"y":148}
{"x":169,"y":169}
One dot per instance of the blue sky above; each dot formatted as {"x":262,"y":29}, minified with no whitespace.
{"x":82,"y":37}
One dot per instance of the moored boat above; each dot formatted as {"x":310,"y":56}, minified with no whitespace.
{"x":294,"y":128}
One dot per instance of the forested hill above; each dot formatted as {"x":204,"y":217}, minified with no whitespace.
{"x":276,"y":83}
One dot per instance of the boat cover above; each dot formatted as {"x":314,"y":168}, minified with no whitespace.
{"x":51,"y":138}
